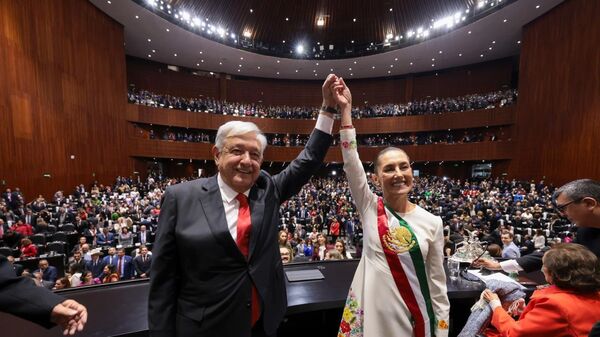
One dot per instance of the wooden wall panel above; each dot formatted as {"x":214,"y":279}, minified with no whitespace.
{"x":62,"y":85}
{"x":472,"y":79}
{"x":446,"y":152}
{"x":477,"y":78}
{"x":155,"y":77}
{"x":207,"y":121}
{"x":558,"y":115}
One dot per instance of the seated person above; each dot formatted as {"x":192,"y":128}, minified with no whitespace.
{"x":333,"y":254}
{"x":494,"y":250}
{"x":286,"y":254}
{"x":568,"y":307}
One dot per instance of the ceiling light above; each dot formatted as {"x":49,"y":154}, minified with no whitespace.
{"x":351,"y":74}
{"x":519,"y":42}
{"x":459,"y":54}
{"x":287,"y":19}
{"x":197,"y":64}
{"x":154,"y":50}
{"x":391,"y":66}
{"x":481,"y":55}
{"x":350,"y":69}
{"x":317,"y":63}
{"x":240,"y":65}
{"x":354,"y":62}
{"x":149,"y":55}
{"x":331,"y":69}
{"x":258,"y":67}
{"x":389,"y":72}
{"x":200,"y":52}
{"x":490,"y":48}
{"x":201,"y":61}
{"x":389,"y":36}
{"x":494,"y":42}
{"x":278,"y":61}
{"x":241,"y":58}
{"x":469,"y":32}
{"x":175,"y":55}
{"x":391,"y":9}
{"x":316,"y":74}
{"x":440,"y":52}
{"x":220,"y":63}
{"x":108,"y":2}
{"x":373,"y":67}
{"x":137,"y":17}
{"x":354,"y":20}
{"x":239,"y":70}
{"x":352,"y":41}
{"x":538,"y":6}
{"x":251,"y":10}
{"x":167,"y":30}
{"x":149,"y":40}
{"x":320,"y":21}
{"x":277,"y":73}
{"x":296,"y":70}
{"x":300,"y":49}
{"x":411,"y":63}
{"x":433,"y":64}
{"x":151,"y":2}
{"x":504,"y":20}
{"x":433,"y":59}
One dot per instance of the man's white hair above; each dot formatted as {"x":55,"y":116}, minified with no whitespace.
{"x":238,"y":128}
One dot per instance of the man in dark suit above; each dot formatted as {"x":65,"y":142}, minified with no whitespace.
{"x":49,"y":273}
{"x":142,"y":263}
{"x":105,"y":238}
{"x":144,"y":237}
{"x":216,"y":268}
{"x":37,"y":304}
{"x":95,"y":265}
{"x":124,"y":265}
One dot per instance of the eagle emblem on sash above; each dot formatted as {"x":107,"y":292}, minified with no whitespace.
{"x":399,"y":240}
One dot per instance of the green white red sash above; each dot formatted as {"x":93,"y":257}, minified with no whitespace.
{"x":407,"y":266}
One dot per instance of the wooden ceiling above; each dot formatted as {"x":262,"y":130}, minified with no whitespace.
{"x":374,"y":20}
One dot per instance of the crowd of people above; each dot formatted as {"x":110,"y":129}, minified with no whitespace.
{"x":315,"y":223}
{"x":417,"y":138}
{"x":426,"y":106}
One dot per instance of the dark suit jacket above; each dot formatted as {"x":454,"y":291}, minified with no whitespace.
{"x":142,"y":267}
{"x":97,"y":269}
{"x":199,"y":273}
{"x":149,"y":237}
{"x":20,"y":297}
{"x":127,"y":273}
{"x":50,"y":274}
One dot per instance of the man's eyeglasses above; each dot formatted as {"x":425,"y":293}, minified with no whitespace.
{"x":561,"y":208}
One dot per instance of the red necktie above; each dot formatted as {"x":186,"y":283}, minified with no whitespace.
{"x":244,"y":228}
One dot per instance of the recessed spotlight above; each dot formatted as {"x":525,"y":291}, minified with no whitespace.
{"x":314,"y":70}
{"x":154,"y":50}
{"x":149,"y":55}
{"x":201,"y":52}
{"x":391,"y":66}
{"x":481,"y":55}
{"x":440,"y":52}
{"x":287,"y":19}
{"x":283,"y":41}
{"x":411,"y":64}
{"x":240,"y":65}
{"x":296,"y":70}
{"x":251,"y":10}
{"x":239,"y":70}
{"x":278,"y":61}
{"x":538,"y":6}
{"x":396,"y":59}
{"x":519,"y":42}
{"x":351,"y":74}
{"x":316,"y":74}
{"x":391,"y":9}
{"x":433,"y":59}
{"x":490,"y":48}
{"x":469,"y":32}
{"x":258,"y":67}
{"x":317,"y":63}
{"x":167,"y":30}
{"x":354,"y":62}
{"x":149,"y":40}
{"x":352,"y":41}
{"x":354,"y":20}
{"x":494,"y":42}
{"x":389,"y":72}
{"x":350,"y":69}
{"x":137,"y":17}
{"x":331,"y":69}
{"x":197,"y":64}
{"x":175,"y":54}
{"x":241,"y":58}
{"x":459,"y":54}
{"x":220,"y":63}
{"x":433,"y":64}
{"x":373,"y":67}
{"x":277,"y":73}
{"x":108,"y":2}
{"x":505,"y":20}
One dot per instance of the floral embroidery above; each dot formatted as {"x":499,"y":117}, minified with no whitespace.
{"x":352,"y":318}
{"x":349,"y":144}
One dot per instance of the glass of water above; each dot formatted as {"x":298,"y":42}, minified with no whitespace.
{"x":453,"y":268}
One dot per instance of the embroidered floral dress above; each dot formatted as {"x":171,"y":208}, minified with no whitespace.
{"x":399,"y":288}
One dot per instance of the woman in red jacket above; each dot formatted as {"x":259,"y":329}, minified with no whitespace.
{"x":28,"y":249}
{"x":568,"y":307}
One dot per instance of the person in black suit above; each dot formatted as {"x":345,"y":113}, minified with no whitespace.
{"x":144,"y":236}
{"x":20,"y":297}
{"x":95,"y":265}
{"x":142,"y":263}
{"x":208,"y":279}
{"x":15,"y":266}
{"x":578,"y":201}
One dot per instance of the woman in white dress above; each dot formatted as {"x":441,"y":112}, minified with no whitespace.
{"x":399,"y":288}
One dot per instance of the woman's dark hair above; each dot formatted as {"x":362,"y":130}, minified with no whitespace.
{"x":111,"y":268}
{"x":574,"y":267}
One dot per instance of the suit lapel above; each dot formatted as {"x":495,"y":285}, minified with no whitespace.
{"x":257,"y":210}
{"x":212,"y":206}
